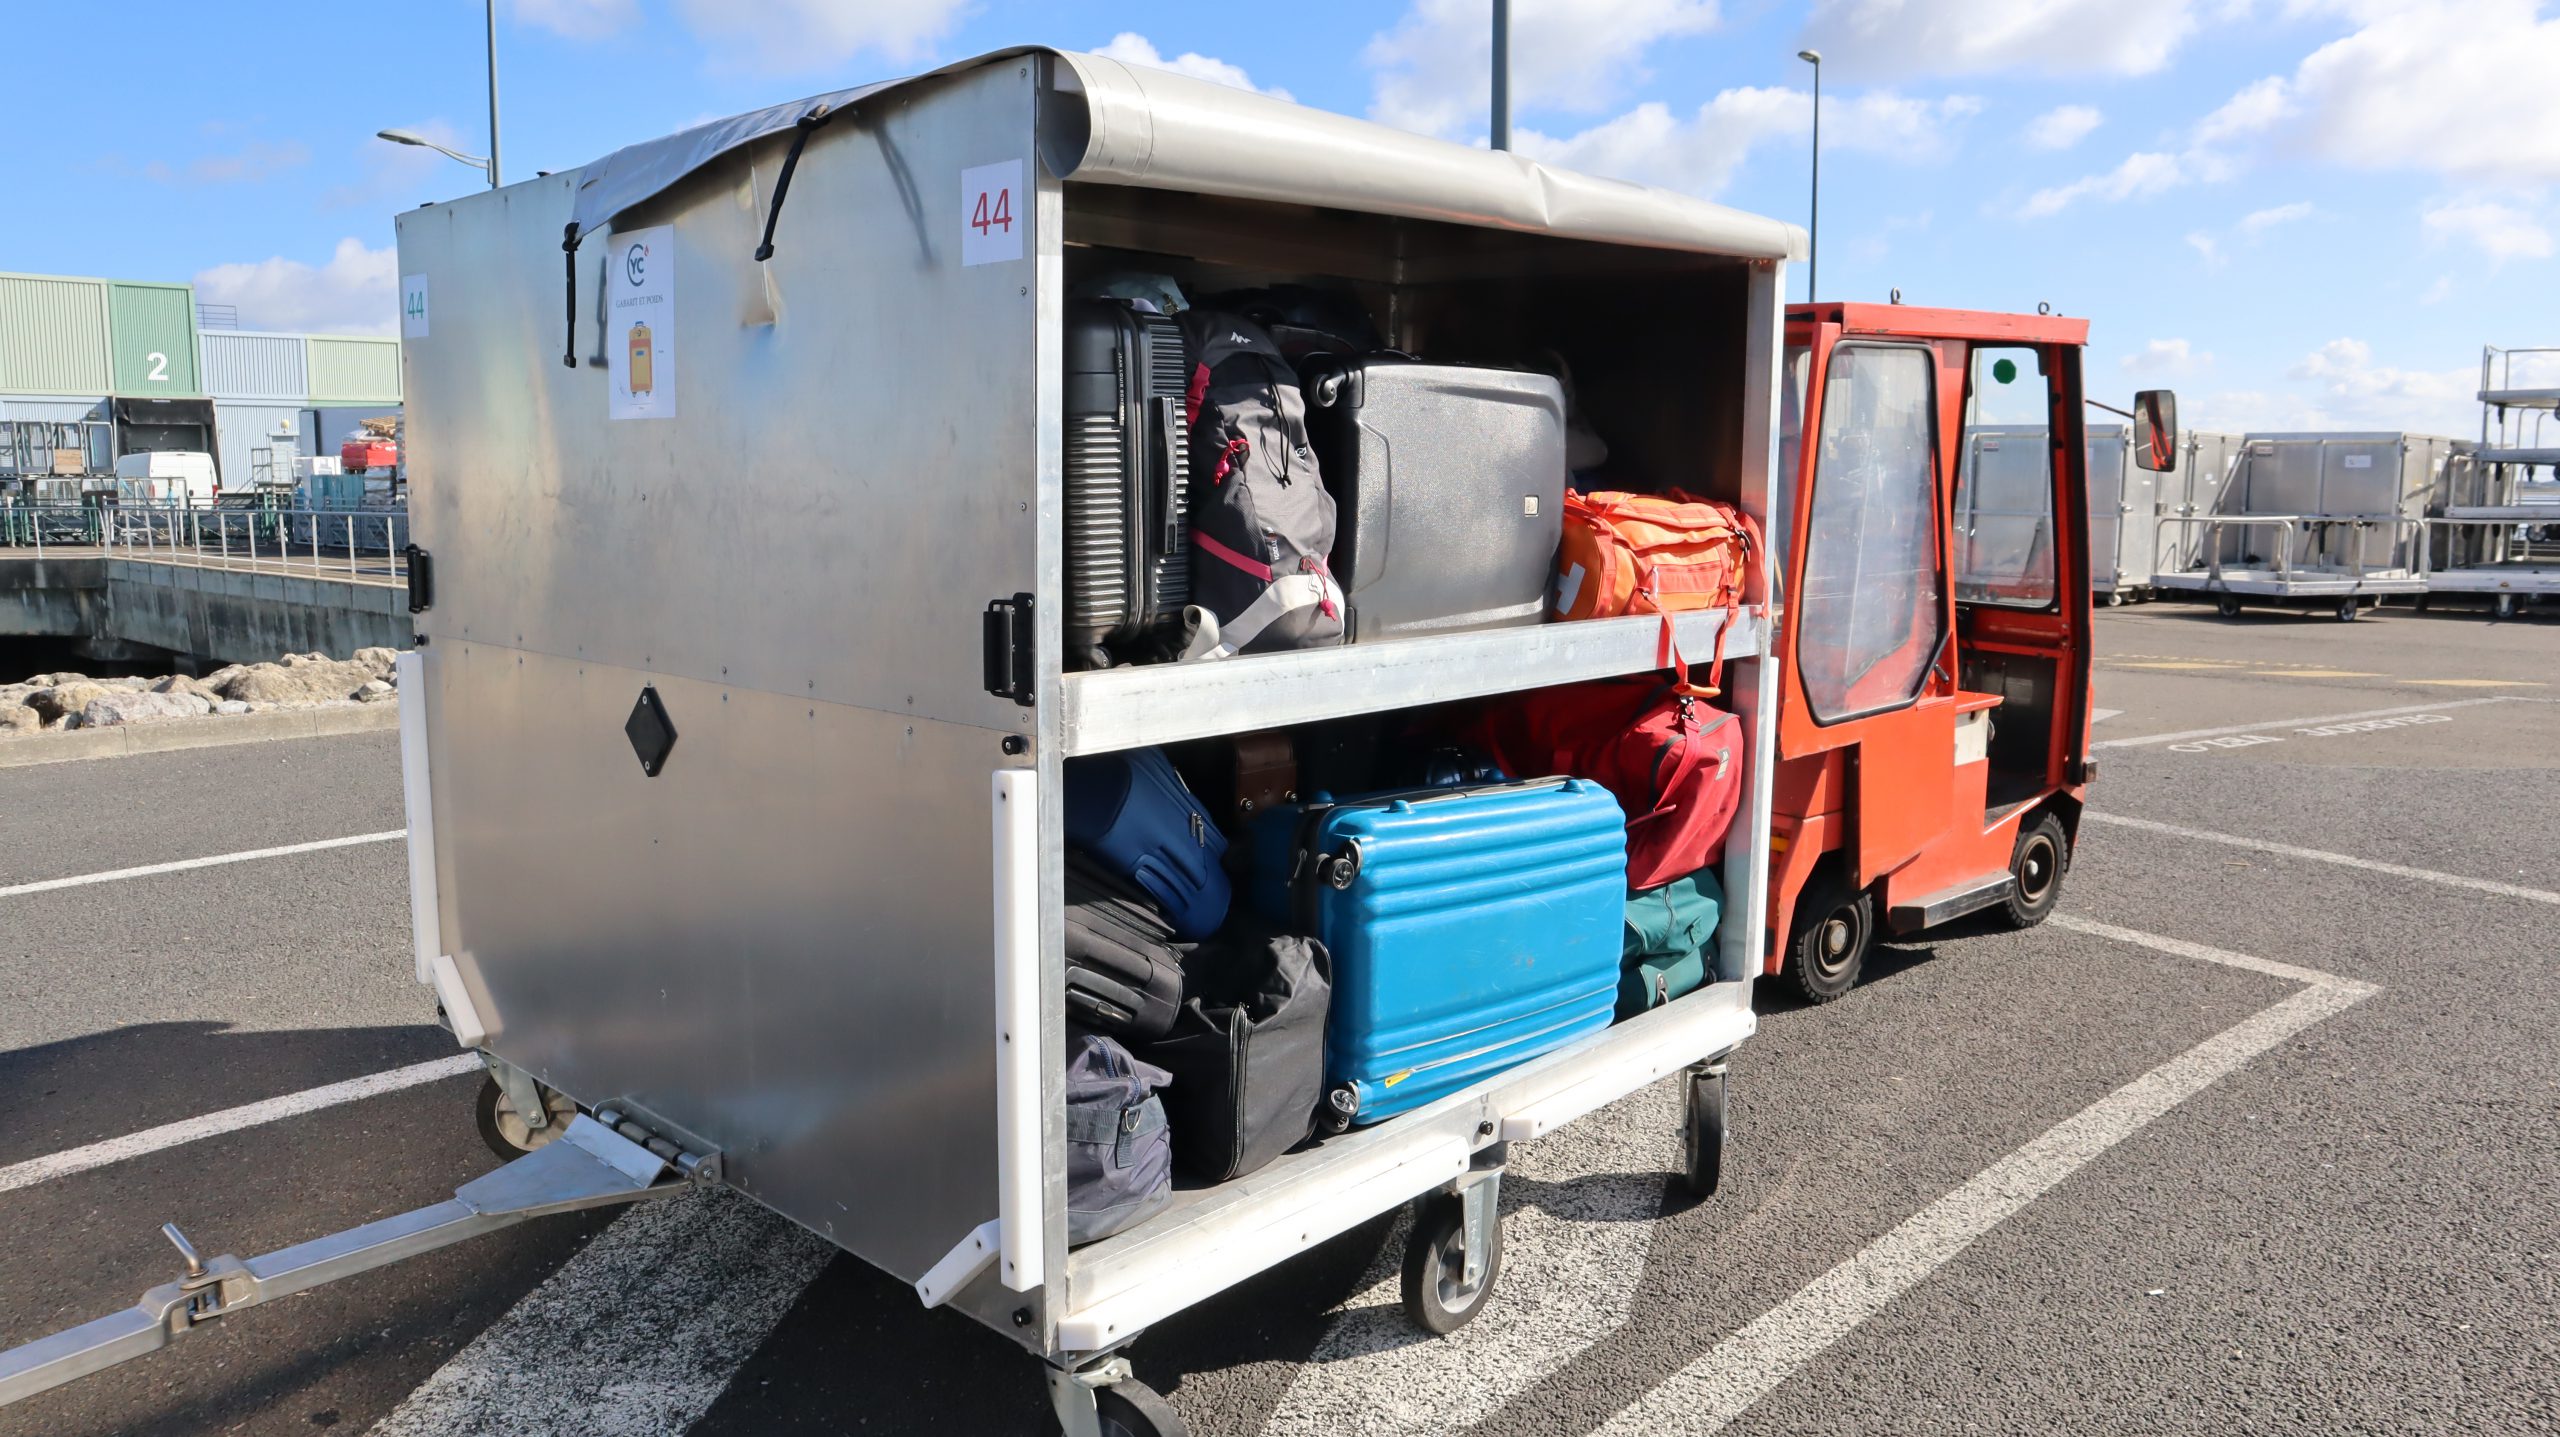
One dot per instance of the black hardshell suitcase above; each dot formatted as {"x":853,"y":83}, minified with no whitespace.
{"x":1127,"y":474}
{"x":1448,"y":483}
{"x":1124,"y":968}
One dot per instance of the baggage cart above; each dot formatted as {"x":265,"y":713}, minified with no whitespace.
{"x":2328,"y":519}
{"x":2124,"y":514}
{"x":2495,"y":534}
{"x":735,"y":729}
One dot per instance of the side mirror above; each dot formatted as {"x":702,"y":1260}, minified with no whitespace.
{"x":2155,"y":430}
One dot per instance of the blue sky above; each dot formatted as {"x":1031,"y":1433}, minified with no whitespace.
{"x":2301,"y":213}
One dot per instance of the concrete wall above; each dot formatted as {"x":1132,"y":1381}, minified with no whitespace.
{"x":228,"y":617}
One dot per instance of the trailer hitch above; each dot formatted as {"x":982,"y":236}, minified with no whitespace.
{"x":590,"y":1166}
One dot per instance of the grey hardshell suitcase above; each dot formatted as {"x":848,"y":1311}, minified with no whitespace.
{"x":1448,"y":481}
{"x":1128,"y":481}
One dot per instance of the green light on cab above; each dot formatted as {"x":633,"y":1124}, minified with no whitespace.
{"x":2005,"y":370}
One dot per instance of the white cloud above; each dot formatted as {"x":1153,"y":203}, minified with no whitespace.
{"x":2143,"y":174}
{"x":1651,"y":145}
{"x":2203,"y":243}
{"x":2438,"y":291}
{"x":1972,"y":37}
{"x":1432,"y":68}
{"x":799,"y":36}
{"x":576,"y":19}
{"x":355,"y":292}
{"x":2258,"y":222}
{"x":2357,"y":392}
{"x":2063,"y":126}
{"x":2166,"y":357}
{"x":2502,"y":232}
{"x":2455,"y":87}
{"x":1131,"y":48}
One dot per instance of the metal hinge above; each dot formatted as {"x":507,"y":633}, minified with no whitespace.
{"x":422,"y":578}
{"x":1012,"y":651}
{"x":700,"y":1167}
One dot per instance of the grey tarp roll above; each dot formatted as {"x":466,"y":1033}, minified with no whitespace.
{"x":1159,"y":130}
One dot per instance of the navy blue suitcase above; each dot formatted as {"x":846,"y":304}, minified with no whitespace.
{"x":1471,"y":929}
{"x":1132,"y":815}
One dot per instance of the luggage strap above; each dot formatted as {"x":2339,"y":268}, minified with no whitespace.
{"x":1282,"y":595}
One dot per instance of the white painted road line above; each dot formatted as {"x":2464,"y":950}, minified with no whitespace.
{"x":231,"y":1120}
{"x":1578,"y":1210}
{"x":216,"y":861}
{"x":2320,"y":855}
{"x":638,"y":1333}
{"x":2196,"y":733}
{"x":1710,"y":1393}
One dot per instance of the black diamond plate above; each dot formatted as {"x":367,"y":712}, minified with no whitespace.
{"x":651,"y":732}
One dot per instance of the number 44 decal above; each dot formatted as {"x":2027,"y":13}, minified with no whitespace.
{"x":998,"y":217}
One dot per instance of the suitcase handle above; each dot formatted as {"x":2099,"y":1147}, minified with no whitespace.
{"x":1169,"y":431}
{"x":1418,"y":797}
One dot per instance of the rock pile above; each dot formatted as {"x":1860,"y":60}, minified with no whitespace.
{"x":66,"y":701}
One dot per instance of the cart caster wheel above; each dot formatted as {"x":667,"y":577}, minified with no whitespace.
{"x":2115,"y":599}
{"x":1702,"y":1134}
{"x":1435,"y":1265}
{"x":2506,"y":606}
{"x":1133,"y":1409}
{"x":2418,"y":605}
{"x":2228,"y":607}
{"x":1834,"y":930}
{"x":2036,"y":867}
{"x":505,"y":1130}
{"x":2349,"y":611}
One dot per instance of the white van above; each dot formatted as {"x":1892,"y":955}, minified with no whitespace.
{"x":181,"y":476}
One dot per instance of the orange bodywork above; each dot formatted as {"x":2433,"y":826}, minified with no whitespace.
{"x":1903,"y":799}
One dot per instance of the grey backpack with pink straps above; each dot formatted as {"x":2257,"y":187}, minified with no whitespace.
{"x":1261,"y":521}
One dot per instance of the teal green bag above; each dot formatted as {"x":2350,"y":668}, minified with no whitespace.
{"x":1664,"y":951}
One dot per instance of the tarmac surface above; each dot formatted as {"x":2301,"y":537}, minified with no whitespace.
{"x":2260,"y":1134}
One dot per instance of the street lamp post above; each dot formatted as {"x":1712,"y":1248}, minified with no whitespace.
{"x":1813,"y":220}
{"x":412,"y":137}
{"x":492,"y":12}
{"x":1502,"y":74}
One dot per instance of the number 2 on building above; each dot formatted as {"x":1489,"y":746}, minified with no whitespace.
{"x":984,"y":219}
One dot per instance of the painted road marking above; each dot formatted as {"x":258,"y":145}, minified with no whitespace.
{"x":216,"y":861}
{"x":2312,"y":674}
{"x":2317,"y":855}
{"x":2183,"y":664}
{"x":2380,"y":725}
{"x":2196,"y":733}
{"x":2478,"y":683}
{"x":2102,"y":715}
{"x":1710,"y":1393}
{"x":231,"y":1120}
{"x":640,"y":1332}
{"x":2233,"y":740}
{"x":1578,"y":1218}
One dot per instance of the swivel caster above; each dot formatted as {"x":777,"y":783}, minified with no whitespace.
{"x":2228,"y":606}
{"x":1445,"y":1284}
{"x":1105,"y":1401}
{"x":1702,"y":1131}
{"x":503,"y":1126}
{"x":2349,"y":611}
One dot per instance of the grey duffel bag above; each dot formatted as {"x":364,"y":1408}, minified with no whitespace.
{"x":1119,"y":1153}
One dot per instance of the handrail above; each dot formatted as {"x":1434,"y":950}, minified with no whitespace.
{"x":2286,"y":526}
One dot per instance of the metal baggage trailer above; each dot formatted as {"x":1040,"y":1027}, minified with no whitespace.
{"x":2322,"y":517}
{"x":2124,"y":512}
{"x":734,"y":732}
{"x":2495,"y":533}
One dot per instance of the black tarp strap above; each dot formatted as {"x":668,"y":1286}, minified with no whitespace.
{"x":569,"y":253}
{"x":808,"y":124}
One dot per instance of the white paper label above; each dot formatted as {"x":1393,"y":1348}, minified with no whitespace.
{"x":413,"y":306}
{"x":2355,"y":461}
{"x":640,"y":322}
{"x":993,"y":213}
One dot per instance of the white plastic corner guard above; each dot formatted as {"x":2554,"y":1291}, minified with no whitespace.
{"x":1022,"y":1254}
{"x":459,"y":1010}
{"x":961,"y":1265}
{"x":418,"y":797}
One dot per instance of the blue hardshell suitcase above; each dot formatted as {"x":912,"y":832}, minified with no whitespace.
{"x":1132,"y":815}
{"x":1471,"y":929}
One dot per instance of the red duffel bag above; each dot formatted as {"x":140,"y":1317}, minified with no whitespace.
{"x":1673,"y":760}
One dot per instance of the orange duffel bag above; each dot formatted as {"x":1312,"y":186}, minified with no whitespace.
{"x":1649,"y":554}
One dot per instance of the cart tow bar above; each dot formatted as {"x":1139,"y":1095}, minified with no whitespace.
{"x":590,"y":1166}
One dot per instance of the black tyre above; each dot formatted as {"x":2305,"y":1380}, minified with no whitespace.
{"x":1702,"y":1136}
{"x":2349,"y":611}
{"x":2227,"y":606}
{"x":1835,"y":926}
{"x":2036,"y":866}
{"x":2506,"y":606}
{"x":1133,"y":1409}
{"x":505,"y":1130}
{"x":1435,"y":1265}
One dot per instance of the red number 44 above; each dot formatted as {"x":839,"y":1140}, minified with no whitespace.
{"x":1001,"y":217}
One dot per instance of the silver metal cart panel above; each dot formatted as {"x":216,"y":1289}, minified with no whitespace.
{"x":2003,"y":511}
{"x":777,"y":947}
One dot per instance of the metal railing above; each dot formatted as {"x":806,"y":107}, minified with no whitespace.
{"x":2407,"y":535}
{"x":348,"y":545}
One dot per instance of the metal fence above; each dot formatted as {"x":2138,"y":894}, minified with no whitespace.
{"x":352,"y":546}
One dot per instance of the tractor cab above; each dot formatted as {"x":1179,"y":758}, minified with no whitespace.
{"x":1933,"y":719}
